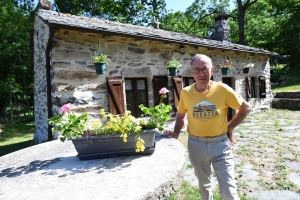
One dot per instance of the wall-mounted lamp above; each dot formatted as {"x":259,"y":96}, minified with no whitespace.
{"x":181,"y":47}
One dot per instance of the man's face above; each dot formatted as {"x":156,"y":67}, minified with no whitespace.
{"x":201,"y":71}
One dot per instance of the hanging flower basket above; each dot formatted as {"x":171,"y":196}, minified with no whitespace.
{"x":100,"y":61}
{"x":224,"y":71}
{"x":100,"y":68}
{"x":225,"y":66}
{"x":246,"y":67}
{"x":173,"y":71}
{"x":246,"y":70}
{"x":172,"y":65}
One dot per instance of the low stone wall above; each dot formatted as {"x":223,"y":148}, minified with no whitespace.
{"x":52,"y":171}
{"x":293,"y":95}
{"x":286,"y":100}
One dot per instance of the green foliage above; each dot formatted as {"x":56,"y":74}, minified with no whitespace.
{"x":68,"y":124}
{"x":198,"y":18}
{"x":172,"y":63}
{"x":155,"y":116}
{"x":292,"y":80}
{"x":102,"y":58}
{"x":16,"y":91}
{"x":125,"y":11}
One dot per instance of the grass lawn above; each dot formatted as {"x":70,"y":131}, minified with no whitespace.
{"x":286,"y":88}
{"x":16,"y":137}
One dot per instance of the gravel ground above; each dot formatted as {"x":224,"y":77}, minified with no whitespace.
{"x":267,"y":155}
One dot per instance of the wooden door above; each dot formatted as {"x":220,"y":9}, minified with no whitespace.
{"x":177,"y":81}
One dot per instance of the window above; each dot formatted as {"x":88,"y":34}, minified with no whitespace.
{"x":188,"y":81}
{"x":262,"y":87}
{"x":158,"y":83}
{"x":136,"y":94}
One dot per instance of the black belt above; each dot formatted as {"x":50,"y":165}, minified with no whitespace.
{"x":210,"y":139}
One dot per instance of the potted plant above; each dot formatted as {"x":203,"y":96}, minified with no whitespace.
{"x":115,"y":135}
{"x":224,"y":66}
{"x":155,"y":117}
{"x":100,"y":62}
{"x":172,"y":65}
{"x":246,"y":67}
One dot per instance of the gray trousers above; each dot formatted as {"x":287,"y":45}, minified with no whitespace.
{"x":215,"y":152}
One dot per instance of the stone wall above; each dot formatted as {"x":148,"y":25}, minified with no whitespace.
{"x":74,"y":80}
{"x":286,"y":100}
{"x":41,"y":35}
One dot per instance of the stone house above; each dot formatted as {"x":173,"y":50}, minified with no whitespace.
{"x":63,"y":46}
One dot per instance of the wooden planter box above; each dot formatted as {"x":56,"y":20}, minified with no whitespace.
{"x":107,"y":146}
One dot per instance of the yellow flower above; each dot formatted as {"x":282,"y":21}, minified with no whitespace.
{"x":137,"y":129}
{"x":124,"y":135}
{"x":102,"y":112}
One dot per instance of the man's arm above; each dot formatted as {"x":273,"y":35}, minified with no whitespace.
{"x":178,"y":126}
{"x":242,"y":113}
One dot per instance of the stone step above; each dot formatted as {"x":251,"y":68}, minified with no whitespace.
{"x":286,"y":103}
{"x":292,"y":95}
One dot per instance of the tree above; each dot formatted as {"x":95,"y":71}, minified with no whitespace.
{"x":138,"y":12}
{"x":242,"y":7}
{"x":273,"y":25}
{"x":198,"y":18}
{"x":16,"y":79}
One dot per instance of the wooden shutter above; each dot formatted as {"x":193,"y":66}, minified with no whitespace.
{"x":262,"y":87}
{"x":177,"y":89}
{"x":248,"y":87}
{"x":115,"y":95}
{"x":158,"y":83}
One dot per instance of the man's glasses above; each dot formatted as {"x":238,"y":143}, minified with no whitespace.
{"x":197,"y":71}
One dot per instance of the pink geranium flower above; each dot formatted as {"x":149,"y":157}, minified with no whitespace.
{"x":66,"y":108}
{"x":163,"y":90}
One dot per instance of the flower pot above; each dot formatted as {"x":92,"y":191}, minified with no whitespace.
{"x":224,"y":71}
{"x":245,"y":70}
{"x":107,"y":146}
{"x":173,"y":71}
{"x":100,"y":68}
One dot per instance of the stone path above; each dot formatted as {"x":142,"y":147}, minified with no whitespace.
{"x":267,"y":155}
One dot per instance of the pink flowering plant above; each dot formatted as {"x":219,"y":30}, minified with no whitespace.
{"x":249,"y":65}
{"x":226,"y":64}
{"x":67,"y":123}
{"x":155,"y":117}
{"x":102,"y":58}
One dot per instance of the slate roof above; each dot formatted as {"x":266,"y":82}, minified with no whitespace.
{"x":96,"y":25}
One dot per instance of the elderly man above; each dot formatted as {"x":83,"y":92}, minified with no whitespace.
{"x":210,"y":134}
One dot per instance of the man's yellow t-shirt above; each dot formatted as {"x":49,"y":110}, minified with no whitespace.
{"x":207,"y":112}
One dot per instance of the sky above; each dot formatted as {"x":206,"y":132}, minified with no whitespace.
{"x":176,"y":5}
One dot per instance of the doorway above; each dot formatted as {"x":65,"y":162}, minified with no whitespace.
{"x":229,"y":82}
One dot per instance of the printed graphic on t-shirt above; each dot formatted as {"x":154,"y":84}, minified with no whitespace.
{"x":204,"y":111}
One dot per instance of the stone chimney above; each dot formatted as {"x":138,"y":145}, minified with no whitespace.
{"x":222,"y":28}
{"x":44,"y":4}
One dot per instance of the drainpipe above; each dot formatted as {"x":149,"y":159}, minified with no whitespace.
{"x":48,"y":82}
